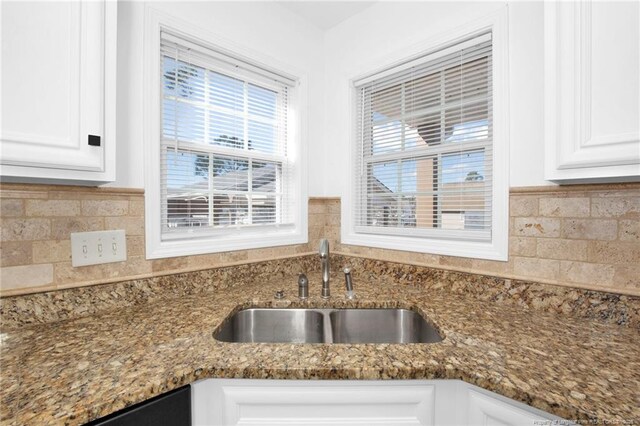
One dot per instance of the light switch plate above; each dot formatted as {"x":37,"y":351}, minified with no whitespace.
{"x":93,"y":248}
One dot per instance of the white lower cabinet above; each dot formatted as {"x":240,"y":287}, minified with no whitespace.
{"x":349,"y":402}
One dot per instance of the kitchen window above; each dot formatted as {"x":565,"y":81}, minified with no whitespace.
{"x":424,"y":175}
{"x":228,"y":177}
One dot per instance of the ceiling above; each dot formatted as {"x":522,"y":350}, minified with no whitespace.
{"x":326,"y":14}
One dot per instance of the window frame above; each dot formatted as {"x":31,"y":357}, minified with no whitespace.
{"x":403,"y":239}
{"x":230,"y":238}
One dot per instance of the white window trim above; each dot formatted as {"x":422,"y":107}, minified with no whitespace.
{"x":240,"y":239}
{"x":497,"y":248}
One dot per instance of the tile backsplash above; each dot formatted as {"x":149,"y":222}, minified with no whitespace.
{"x":582,"y":236}
{"x":585,"y":236}
{"x":37,"y":221}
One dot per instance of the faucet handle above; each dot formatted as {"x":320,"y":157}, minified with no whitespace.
{"x":348,"y":283}
{"x":303,"y":286}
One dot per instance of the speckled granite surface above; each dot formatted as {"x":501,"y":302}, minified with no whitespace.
{"x":51,"y":306}
{"x":72,"y":371}
{"x":609,"y":307}
{"x":17,"y":311}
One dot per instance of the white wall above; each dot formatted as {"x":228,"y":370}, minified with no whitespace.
{"x":265,"y":28}
{"x":377,"y":33}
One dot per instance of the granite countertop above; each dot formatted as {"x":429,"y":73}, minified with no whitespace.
{"x":73,"y":371}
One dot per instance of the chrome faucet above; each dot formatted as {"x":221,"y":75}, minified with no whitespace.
{"x":324,"y":257}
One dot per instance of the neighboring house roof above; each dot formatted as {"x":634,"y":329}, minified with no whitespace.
{"x":467,"y":195}
{"x":264,"y":180}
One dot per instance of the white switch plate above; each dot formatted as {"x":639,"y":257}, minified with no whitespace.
{"x":93,"y":248}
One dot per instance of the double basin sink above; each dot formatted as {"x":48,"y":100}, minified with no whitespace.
{"x":267,"y":325}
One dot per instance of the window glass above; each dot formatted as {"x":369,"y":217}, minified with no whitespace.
{"x":426,"y":146}
{"x":224,"y":139}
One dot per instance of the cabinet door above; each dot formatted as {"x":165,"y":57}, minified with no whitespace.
{"x":267,"y":402}
{"x":57,"y":89}
{"x":592,"y":90}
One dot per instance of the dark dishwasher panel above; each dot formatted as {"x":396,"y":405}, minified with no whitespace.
{"x":170,"y":409}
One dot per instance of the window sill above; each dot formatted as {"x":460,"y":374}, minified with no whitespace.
{"x":157,"y":249}
{"x":491,"y":250}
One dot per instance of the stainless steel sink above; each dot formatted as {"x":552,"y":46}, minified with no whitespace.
{"x":274,"y":326}
{"x":327,"y":326}
{"x":381,"y":326}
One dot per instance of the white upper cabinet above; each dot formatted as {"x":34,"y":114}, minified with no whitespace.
{"x":58,"y":91}
{"x":592,"y":91}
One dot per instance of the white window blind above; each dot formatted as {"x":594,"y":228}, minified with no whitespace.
{"x":424,"y":151}
{"x":224,"y":157}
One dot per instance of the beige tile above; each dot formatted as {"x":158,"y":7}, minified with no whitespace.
{"x":332,"y":233}
{"x":522,"y":246}
{"x":25,"y":229}
{"x":523,"y":206}
{"x":62,"y":228}
{"x":590,"y":229}
{"x":530,"y":267}
{"x":65,"y":273}
{"x":627,"y":276}
{"x":93,"y":193}
{"x":136,"y":207}
{"x":285,"y":250}
{"x":316,"y":207}
{"x":11,"y":207}
{"x":332,"y":220}
{"x":316,"y":232}
{"x":565,"y":207}
{"x":316,"y":220}
{"x":135,"y":245}
{"x":350,"y":249}
{"x":562,"y":249}
{"x":615,"y":207}
{"x":333,"y":208}
{"x":629,"y":230}
{"x":14,"y":277}
{"x":51,"y":251}
{"x":131,"y":225}
{"x":458,"y":262}
{"x":234,"y":256}
{"x":491,"y":266}
{"x":87,"y":194}
{"x":216,"y":259}
{"x":13,"y":253}
{"x":617,"y":252}
{"x":24,"y":194}
{"x":423,"y":258}
{"x":260,"y":254}
{"x":52,"y":208}
{"x":302,"y":248}
{"x":105,"y":207}
{"x":536,"y":227}
{"x":586,"y":273}
{"x":169,"y":264}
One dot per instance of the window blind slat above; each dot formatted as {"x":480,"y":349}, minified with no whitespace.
{"x":424,"y":156}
